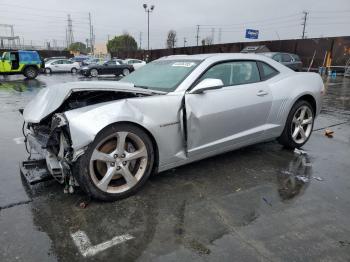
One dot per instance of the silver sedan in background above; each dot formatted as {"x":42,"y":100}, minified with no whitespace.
{"x":108,"y":137}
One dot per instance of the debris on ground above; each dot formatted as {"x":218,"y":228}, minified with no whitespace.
{"x":83,"y":204}
{"x":238,"y":189}
{"x":344,"y":243}
{"x":303,"y":179}
{"x":300,"y":152}
{"x":329,"y":133}
{"x":318,"y":178}
{"x":267,"y":201}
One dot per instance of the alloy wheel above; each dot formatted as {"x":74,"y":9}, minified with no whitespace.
{"x":302,"y":124}
{"x":118,"y":162}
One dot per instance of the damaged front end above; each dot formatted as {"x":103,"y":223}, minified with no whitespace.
{"x":50,"y":141}
{"x":47,"y":132}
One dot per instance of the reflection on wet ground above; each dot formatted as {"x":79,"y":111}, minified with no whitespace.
{"x":257,"y":203}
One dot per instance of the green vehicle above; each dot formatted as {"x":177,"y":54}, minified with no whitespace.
{"x":27,"y":63}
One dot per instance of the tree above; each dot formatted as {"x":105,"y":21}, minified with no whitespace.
{"x":172,"y":39}
{"x":207,"y":41}
{"x":124,"y":42}
{"x":78,"y":47}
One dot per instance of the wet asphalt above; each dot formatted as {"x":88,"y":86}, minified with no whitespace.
{"x":260,"y":203}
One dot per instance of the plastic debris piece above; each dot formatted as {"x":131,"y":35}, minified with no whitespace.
{"x":287,"y":173}
{"x":344,"y":243}
{"x":303,"y":179}
{"x":329,"y":133}
{"x":238,"y":189}
{"x":318,"y":178}
{"x":83,"y":204}
{"x":300,"y":152}
{"x":267,"y":201}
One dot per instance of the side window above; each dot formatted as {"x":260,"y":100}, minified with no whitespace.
{"x":286,"y":58}
{"x":296,"y":57}
{"x":277,"y":57}
{"x":234,"y":73}
{"x":266,"y":71}
{"x":7,"y":56}
{"x":13,"y":57}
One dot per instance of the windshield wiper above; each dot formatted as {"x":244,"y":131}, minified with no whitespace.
{"x":151,"y":90}
{"x":144,"y":87}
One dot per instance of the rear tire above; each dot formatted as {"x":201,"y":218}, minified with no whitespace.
{"x":74,"y":70}
{"x":109,"y":156}
{"x":298,"y":129}
{"x":93,"y":72}
{"x":31,"y":72}
{"x":126,"y":71}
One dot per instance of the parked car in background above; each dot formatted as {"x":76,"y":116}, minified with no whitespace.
{"x":54,"y":58}
{"x":79,"y":59}
{"x":91,"y":61}
{"x":110,"y":136}
{"x":61,"y":65}
{"x":290,"y":60}
{"x":136,"y":63}
{"x":111,"y":67}
{"x":27,"y":63}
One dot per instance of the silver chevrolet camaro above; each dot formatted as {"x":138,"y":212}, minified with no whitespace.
{"x":108,"y":137}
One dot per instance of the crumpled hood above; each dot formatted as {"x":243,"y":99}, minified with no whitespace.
{"x":51,"y":98}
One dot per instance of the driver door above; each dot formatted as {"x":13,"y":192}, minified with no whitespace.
{"x":229,"y":117}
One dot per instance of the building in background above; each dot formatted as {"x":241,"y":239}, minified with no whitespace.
{"x":100,"y":49}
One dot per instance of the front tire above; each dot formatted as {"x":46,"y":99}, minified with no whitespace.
{"x":117,"y":164}
{"x":31,"y":72}
{"x":299,"y":125}
{"x":48,"y":71}
{"x":74,"y":70}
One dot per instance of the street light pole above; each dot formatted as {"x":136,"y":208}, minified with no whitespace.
{"x":148,"y":11}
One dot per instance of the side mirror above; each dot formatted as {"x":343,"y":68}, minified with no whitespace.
{"x":207,"y":84}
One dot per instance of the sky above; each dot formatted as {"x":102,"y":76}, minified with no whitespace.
{"x":40,"y":21}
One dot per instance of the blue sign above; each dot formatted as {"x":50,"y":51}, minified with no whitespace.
{"x":251,"y":34}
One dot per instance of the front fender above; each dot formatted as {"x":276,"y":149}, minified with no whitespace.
{"x":159,"y":115}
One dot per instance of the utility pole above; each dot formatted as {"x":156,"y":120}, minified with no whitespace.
{"x":70,"y":38}
{"x":140,"y":40}
{"x":304,"y":23}
{"x":219,"y":37}
{"x":185,"y":41}
{"x":197,"y":36}
{"x":91,"y":35}
{"x":213,"y":35}
{"x":148,"y":11}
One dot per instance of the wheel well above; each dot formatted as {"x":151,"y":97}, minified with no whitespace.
{"x":311,"y":100}
{"x":35,"y":66}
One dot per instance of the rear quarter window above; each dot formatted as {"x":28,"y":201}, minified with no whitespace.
{"x":266,"y":71}
{"x":29,"y":57}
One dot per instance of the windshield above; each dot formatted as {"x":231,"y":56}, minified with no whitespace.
{"x":162,"y":75}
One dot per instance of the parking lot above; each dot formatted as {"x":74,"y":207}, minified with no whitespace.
{"x":261,"y":203}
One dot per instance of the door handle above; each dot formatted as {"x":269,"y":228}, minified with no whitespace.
{"x":262,"y":93}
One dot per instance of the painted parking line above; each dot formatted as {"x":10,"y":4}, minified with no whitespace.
{"x":82,"y":241}
{"x":19,"y":140}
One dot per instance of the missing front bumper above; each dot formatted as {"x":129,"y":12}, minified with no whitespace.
{"x":35,"y":171}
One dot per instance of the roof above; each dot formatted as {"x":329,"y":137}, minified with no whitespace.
{"x":215,"y":55}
